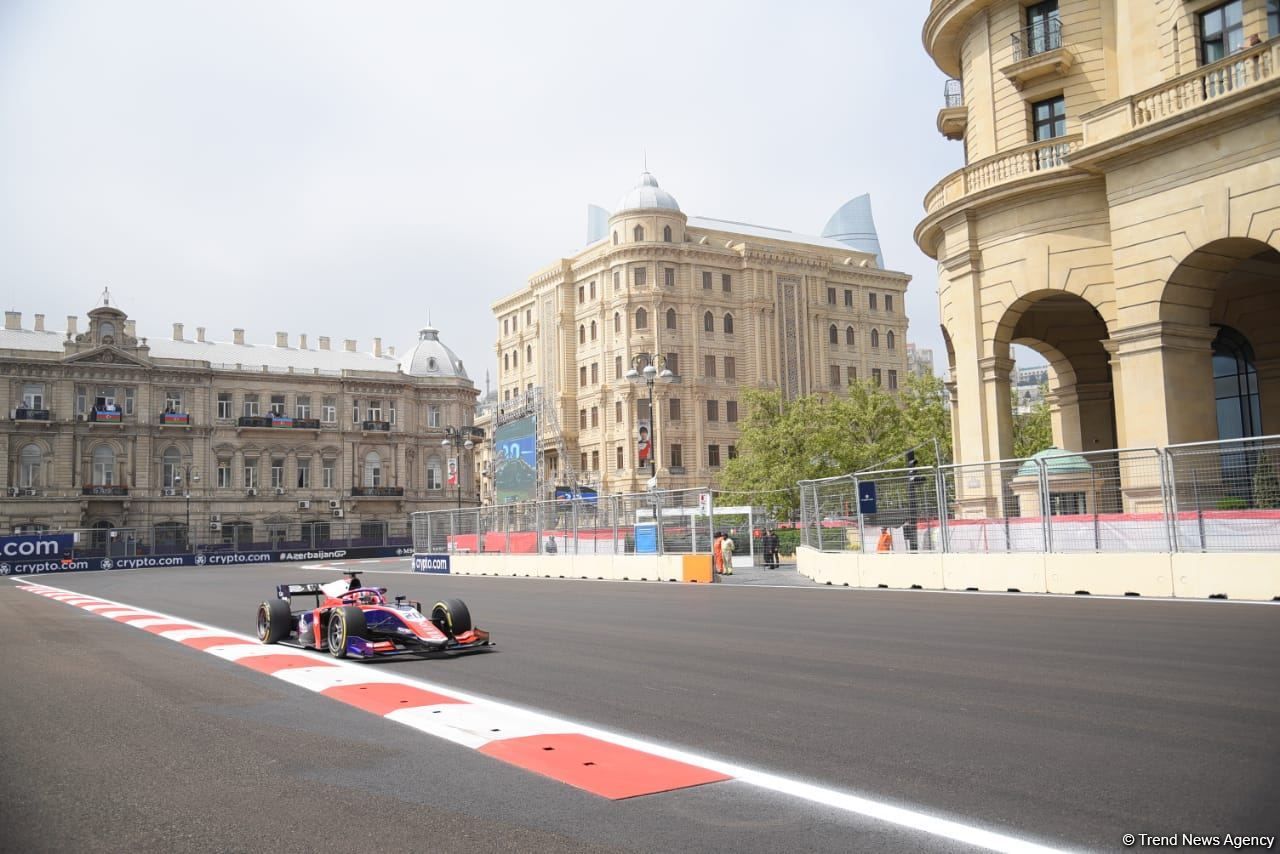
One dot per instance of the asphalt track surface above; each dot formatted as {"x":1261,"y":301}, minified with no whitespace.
{"x":1063,"y":721}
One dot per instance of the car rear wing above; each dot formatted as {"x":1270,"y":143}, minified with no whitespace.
{"x":288,"y":591}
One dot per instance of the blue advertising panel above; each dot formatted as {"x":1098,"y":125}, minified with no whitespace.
{"x":68,"y":563}
{"x":647,"y":539}
{"x":516,"y":449}
{"x":867,"y":496}
{"x":36,"y":547}
{"x":436,"y":563}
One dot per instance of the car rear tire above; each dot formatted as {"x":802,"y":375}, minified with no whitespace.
{"x":451,"y":617}
{"x":274,"y":619}
{"x":344,"y":623}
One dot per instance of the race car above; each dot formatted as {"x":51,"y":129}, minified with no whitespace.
{"x":350,"y":620}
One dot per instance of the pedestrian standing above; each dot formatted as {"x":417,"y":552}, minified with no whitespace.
{"x":726,"y":549}
{"x":770,"y":546}
{"x":717,"y":553}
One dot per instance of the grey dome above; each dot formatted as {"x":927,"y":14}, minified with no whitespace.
{"x":646,"y":195}
{"x":853,"y":226}
{"x":430,"y":358}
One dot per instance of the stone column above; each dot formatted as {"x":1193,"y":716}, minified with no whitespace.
{"x":1178,"y":359}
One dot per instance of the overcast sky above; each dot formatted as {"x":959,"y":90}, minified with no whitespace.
{"x":359,"y":169}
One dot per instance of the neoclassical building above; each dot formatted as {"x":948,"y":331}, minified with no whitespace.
{"x":726,"y":305}
{"x":1118,"y":212}
{"x":291,"y":443}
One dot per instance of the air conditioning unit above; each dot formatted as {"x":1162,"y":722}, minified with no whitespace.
{"x":215,"y":517}
{"x":169,"y":492}
{"x":215,"y":526}
{"x":13,"y":491}
{"x":304,"y":505}
{"x":30,"y":492}
{"x":334,"y":505}
{"x":337,"y":514}
{"x":253,"y":490}
{"x":279,"y":490}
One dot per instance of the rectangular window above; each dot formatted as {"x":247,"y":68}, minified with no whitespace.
{"x":277,"y":404}
{"x":302,"y":406}
{"x":677,"y":456}
{"x":641,"y":276}
{"x":582,"y":419}
{"x":1049,"y":119}
{"x":731,"y":410}
{"x":433,"y":415}
{"x":433,"y":475}
{"x":250,"y":405}
{"x":871,"y":301}
{"x":82,"y":400}
{"x":713,"y":410}
{"x":391,"y":412}
{"x":673,"y":409}
{"x":893,"y":379}
{"x":875,"y":376}
{"x":617,"y":412}
{"x":33,"y":396}
{"x":730,"y":367}
{"x":224,"y":404}
{"x":304,"y":473}
{"x":708,"y":366}
{"x":582,"y":461}
{"x":330,"y":410}
{"x":591,"y":294}
{"x":595,"y":416}
{"x":835,"y":376}
{"x":250,"y":474}
{"x":713,"y":456}
{"x":673,"y":364}
{"x":669,"y":277}
{"x":1043,"y":29}
{"x":595,"y":461}
{"x":582,"y":294}
{"x":888,"y":302}
{"x":595,"y":373}
{"x":617,"y":367}
{"x":617,"y":282}
{"x":851,"y":374}
{"x":374,"y":408}
{"x":618,"y":453}
{"x":706,"y":281}
{"x":172,"y":400}
{"x":642,"y":409}
{"x":1273,"y":18}
{"x":733,"y":452}
{"x":224,"y":474}
{"x":1222,"y":31}
{"x":831,"y":296}
{"x":128,"y":401}
{"x":277,"y":472}
{"x":355,"y":412}
{"x":726,"y":282}
{"x":848,"y":298}
{"x":326,"y":474}
{"x":582,"y":376}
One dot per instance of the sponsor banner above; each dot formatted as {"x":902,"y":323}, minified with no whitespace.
{"x":40,"y":567}
{"x":437,"y":563}
{"x":35,"y":546}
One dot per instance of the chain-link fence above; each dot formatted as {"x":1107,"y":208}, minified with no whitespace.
{"x":1211,"y":496}
{"x":658,"y":522}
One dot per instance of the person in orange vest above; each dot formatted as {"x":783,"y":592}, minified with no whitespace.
{"x":885,"y":543}
{"x":717,"y":556}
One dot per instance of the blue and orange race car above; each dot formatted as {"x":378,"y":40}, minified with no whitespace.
{"x":350,"y":620}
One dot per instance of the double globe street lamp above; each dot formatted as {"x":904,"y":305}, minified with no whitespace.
{"x":460,"y":437}
{"x":654,"y":370}
{"x":183,"y":480}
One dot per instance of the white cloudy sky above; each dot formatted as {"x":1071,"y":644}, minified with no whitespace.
{"x":353,"y":169}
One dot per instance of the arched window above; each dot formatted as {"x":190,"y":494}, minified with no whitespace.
{"x":833,"y":336}
{"x":615,"y":238}
{"x":666,"y":234}
{"x":888,"y":339}
{"x":30,"y":462}
{"x":107,"y":330}
{"x":372,"y":469}
{"x":848,"y":335}
{"x":528,"y":353}
{"x":434,"y":480}
{"x":1235,"y":383}
{"x":875,"y":338}
{"x":104,"y":466}
{"x":170,"y":468}
{"x":639,"y":233}
{"x":708,"y":323}
{"x":642,"y":319}
{"x":515,"y":358}
{"x":728,"y":324}
{"x":617,"y":322}
{"x":593,"y":330}
{"x":506,"y":361}
{"x":582,"y":334}
{"x":671,"y":318}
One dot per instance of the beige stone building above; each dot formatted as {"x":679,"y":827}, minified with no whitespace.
{"x":1118,"y":212}
{"x":725,"y":305}
{"x":292,"y":443}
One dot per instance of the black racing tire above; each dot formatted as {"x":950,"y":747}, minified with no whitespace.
{"x":451,"y":616}
{"x":274,"y":621}
{"x":344,"y":623}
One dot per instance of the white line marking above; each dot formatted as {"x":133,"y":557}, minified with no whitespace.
{"x":144,"y":622}
{"x":180,"y":635}
{"x":843,"y":801}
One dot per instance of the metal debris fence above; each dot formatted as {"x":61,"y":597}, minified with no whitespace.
{"x":1204,"y":497}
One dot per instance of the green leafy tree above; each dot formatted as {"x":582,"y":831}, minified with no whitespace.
{"x":1032,"y":431}
{"x":926,"y":417}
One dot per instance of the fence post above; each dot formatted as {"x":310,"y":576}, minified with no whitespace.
{"x":1168,"y":500}
{"x":657,"y":517}
{"x":1046,"y":511}
{"x":940,"y":494}
{"x":1195,"y":488}
{"x":857,"y":498}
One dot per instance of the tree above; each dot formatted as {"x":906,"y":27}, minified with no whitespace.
{"x":926,"y":418}
{"x":1032,"y":431}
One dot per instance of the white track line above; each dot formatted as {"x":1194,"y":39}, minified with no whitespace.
{"x":488,"y":710}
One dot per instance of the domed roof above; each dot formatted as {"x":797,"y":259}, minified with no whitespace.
{"x":1056,"y":461}
{"x":430,"y":358}
{"x":645,"y":196}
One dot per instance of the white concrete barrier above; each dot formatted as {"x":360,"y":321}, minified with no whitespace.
{"x":1021,"y":572}
{"x":1143,"y":573}
{"x":1239,"y":575}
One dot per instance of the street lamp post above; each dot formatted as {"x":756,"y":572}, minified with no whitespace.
{"x":188,"y":476}
{"x":460,"y":436}
{"x":654,"y":369}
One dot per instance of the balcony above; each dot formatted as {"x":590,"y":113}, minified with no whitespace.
{"x":254,"y":421}
{"x":106,"y":416}
{"x":1026,"y":161}
{"x":175,"y":419}
{"x":376,"y":426}
{"x":1234,"y":84}
{"x":1037,"y":52}
{"x":104,"y":491}
{"x":28,"y":414}
{"x":953,"y":118}
{"x":377,"y":491}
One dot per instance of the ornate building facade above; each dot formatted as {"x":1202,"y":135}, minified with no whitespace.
{"x":206,"y":442}
{"x":1118,"y":212}
{"x":725,"y":305}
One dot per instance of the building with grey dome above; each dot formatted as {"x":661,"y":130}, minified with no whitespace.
{"x":302,"y":441}
{"x":724,"y":304}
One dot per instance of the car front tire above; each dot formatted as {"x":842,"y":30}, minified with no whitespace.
{"x":274,"y":620}
{"x":451,"y":616}
{"x":344,"y":623}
